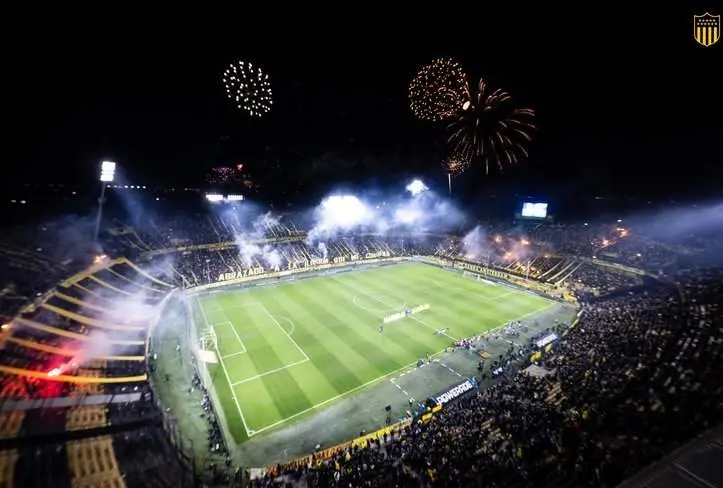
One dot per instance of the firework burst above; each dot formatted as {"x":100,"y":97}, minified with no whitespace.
{"x":249,"y":87}
{"x":438,"y":90}
{"x":455,"y":165}
{"x":491,"y":127}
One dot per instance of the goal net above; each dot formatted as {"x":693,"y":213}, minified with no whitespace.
{"x":207,"y":346}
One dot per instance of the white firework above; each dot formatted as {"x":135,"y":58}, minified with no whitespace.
{"x":249,"y":87}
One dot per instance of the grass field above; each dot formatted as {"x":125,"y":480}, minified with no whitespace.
{"x":288,"y":349}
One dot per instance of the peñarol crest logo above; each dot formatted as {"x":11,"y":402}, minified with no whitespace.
{"x":706,"y":29}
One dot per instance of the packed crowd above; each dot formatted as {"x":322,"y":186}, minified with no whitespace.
{"x":204,"y":266}
{"x":215,"y":437}
{"x":93,"y":328}
{"x":640,"y":373}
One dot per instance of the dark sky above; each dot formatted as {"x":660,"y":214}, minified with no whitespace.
{"x":627,"y":101}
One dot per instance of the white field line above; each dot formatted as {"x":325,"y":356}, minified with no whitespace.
{"x":243,"y":346}
{"x":233,"y":355}
{"x":225,"y":372}
{"x":288,"y":321}
{"x":525,"y":315}
{"x":266,"y":311}
{"x":501,"y":295}
{"x":494,"y":298}
{"x":337,"y":397}
{"x":431,"y":327}
{"x":275,"y":370}
{"x":251,"y":433}
{"x":411,"y":316}
{"x":392,"y":373}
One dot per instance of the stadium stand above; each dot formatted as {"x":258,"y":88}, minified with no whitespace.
{"x":639,"y":373}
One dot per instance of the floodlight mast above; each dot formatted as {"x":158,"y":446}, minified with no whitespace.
{"x":107,"y":175}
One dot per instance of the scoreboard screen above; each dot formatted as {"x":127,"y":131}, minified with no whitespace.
{"x":536,"y":210}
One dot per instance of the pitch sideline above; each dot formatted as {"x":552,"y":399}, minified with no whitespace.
{"x":250,"y":432}
{"x":385,"y":376}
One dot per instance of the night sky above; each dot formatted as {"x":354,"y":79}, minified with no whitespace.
{"x":628,"y":103}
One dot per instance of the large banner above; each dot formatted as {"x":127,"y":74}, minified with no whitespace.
{"x":309,"y":264}
{"x":259,"y":273}
{"x":455,"y":392}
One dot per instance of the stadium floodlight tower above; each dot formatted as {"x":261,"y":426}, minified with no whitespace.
{"x":107,"y":175}
{"x":416,"y":187}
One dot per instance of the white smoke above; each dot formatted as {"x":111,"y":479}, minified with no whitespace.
{"x":474,"y":244}
{"x":251,"y":247}
{"x":323,"y":250}
{"x":339,"y":213}
{"x":114,"y":317}
{"x":97,"y":346}
{"x":425,"y":212}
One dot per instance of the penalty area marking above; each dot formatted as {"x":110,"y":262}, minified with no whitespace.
{"x":275,"y":370}
{"x":292,"y":329}
{"x":249,"y":432}
{"x":266,"y":311}
{"x":337,"y":397}
{"x":405,"y":369}
{"x":235,"y":333}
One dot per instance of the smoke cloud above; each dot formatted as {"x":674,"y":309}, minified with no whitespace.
{"x":424,"y":212}
{"x":323,"y":250}
{"x":474,"y":244}
{"x":250,"y":247}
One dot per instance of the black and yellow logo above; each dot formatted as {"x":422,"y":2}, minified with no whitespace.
{"x":706,"y":29}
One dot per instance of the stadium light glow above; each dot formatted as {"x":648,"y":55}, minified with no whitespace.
{"x":107,"y":175}
{"x":416,"y":187}
{"x":107,"y":171}
{"x":234,"y":198}
{"x":214,"y":197}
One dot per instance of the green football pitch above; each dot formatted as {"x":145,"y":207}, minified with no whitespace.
{"x":288,"y":349}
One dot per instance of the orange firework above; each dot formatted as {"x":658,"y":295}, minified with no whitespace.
{"x":490,"y":127}
{"x":455,"y":165}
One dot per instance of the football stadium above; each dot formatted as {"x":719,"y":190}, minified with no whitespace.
{"x":248,"y":347}
{"x":313,"y":267}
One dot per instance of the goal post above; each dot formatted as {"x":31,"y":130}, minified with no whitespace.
{"x":208,"y":346}
{"x":208,"y":341}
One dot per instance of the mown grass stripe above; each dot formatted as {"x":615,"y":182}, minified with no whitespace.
{"x":333,"y":328}
{"x":322,"y":348}
{"x":284,"y":392}
{"x":466,"y":316}
{"x":445,"y":313}
{"x":342,"y":339}
{"x":392,"y":339}
{"x":355,"y":332}
{"x":411,"y":338}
